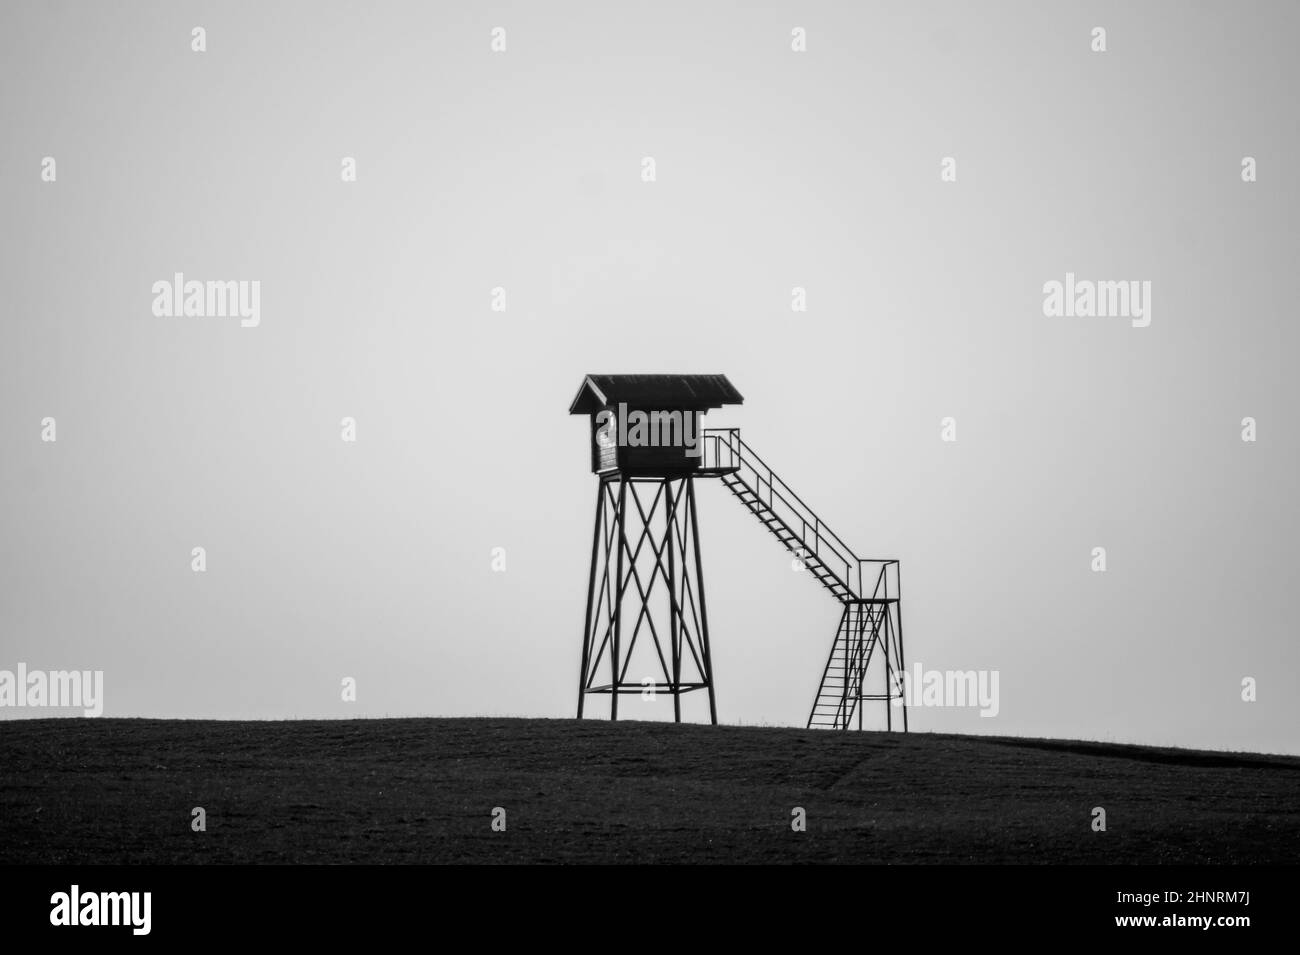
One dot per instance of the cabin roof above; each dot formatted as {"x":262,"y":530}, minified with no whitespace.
{"x":693,"y":392}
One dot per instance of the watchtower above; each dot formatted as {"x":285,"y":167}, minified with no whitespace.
{"x":647,"y":448}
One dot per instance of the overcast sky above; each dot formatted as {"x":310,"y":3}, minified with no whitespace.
{"x":775,"y":169}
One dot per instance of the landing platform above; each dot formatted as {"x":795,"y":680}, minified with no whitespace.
{"x":662,"y":474}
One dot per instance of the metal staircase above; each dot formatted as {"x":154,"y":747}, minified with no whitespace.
{"x":868,"y":589}
{"x":840,"y":695}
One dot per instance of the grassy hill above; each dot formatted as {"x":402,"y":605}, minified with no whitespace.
{"x":423,"y":790}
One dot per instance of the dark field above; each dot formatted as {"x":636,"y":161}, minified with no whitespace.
{"x":423,"y":791}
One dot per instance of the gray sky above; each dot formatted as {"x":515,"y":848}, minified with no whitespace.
{"x":775,"y":169}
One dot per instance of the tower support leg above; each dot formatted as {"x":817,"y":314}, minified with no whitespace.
{"x":636,"y":554}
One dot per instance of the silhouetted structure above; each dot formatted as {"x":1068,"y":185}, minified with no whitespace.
{"x":647,"y":448}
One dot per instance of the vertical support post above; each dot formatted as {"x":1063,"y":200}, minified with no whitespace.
{"x":849,"y":636}
{"x":619,"y":584}
{"x":587,"y":635}
{"x":862,"y":681}
{"x":889,"y":708}
{"x":902,"y":666}
{"x":674,"y":606}
{"x":705,"y":650}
